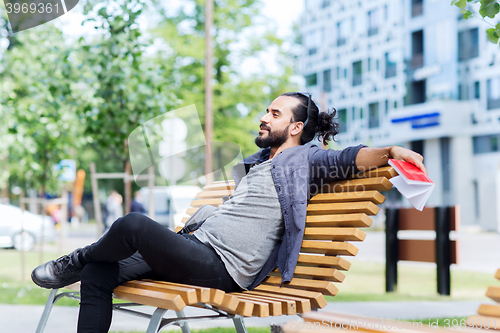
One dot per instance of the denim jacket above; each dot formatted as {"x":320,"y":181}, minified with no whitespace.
{"x":298,"y":173}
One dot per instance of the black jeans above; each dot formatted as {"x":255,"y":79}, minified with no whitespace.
{"x":136,"y":247}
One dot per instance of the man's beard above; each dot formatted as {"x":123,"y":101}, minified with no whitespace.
{"x":273,"y":140}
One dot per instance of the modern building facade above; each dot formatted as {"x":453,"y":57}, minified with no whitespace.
{"x":413,"y":73}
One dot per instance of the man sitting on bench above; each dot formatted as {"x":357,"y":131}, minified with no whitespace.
{"x":258,"y":229}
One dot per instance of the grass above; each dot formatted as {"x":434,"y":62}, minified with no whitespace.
{"x":365,"y":281}
{"x":13,"y":290}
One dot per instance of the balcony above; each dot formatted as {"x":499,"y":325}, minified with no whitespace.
{"x":390,"y":70}
{"x":417,"y":9}
{"x":493,"y":104}
{"x":357,"y":79}
{"x":372,"y":31}
{"x":417,"y":61}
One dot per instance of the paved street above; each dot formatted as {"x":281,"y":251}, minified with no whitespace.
{"x":478,"y":251}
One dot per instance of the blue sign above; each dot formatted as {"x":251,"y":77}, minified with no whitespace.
{"x":420,"y":121}
{"x":68,"y":170}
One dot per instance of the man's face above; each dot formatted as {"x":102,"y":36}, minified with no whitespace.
{"x":274,"y":127}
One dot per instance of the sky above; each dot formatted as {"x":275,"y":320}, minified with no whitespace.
{"x":284,"y":15}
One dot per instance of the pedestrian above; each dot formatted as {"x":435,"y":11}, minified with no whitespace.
{"x":137,"y":206}
{"x":260,"y":227}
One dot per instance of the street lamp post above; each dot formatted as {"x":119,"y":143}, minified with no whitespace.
{"x":209,"y":18}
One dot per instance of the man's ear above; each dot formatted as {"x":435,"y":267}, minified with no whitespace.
{"x":296,"y":128}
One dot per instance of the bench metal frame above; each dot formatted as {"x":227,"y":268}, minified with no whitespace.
{"x":156,"y":320}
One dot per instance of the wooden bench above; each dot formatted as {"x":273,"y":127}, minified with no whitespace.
{"x":488,"y":316}
{"x":334,"y":217}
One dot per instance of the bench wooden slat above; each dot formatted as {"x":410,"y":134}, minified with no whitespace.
{"x":212,"y":202}
{"x":366,"y":207}
{"x":387,"y":172}
{"x":149,"y":297}
{"x":274,"y":307}
{"x":342,"y":220}
{"x":323,"y":273}
{"x":494,"y":294}
{"x":214,"y":194}
{"x":287,"y":306}
{"x":337,"y":234}
{"x":317,"y":299}
{"x":203,"y":293}
{"x":324,"y":287}
{"x":497,"y":275}
{"x":331,"y":248}
{"x":485,"y":322}
{"x":230,"y":303}
{"x":358,"y":185}
{"x":219,"y":186}
{"x":188,"y":294}
{"x":323,"y":261}
{"x":489,"y":310}
{"x":302,"y":304}
{"x":244,"y":309}
{"x":374,"y":196}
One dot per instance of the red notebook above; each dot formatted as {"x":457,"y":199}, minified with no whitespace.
{"x":410,"y":171}
{"x":412,"y":183}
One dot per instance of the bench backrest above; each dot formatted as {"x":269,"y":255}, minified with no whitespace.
{"x":334,"y":217}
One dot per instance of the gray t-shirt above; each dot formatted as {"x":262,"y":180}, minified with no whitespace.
{"x":246,"y":228}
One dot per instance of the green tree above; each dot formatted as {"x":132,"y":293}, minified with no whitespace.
{"x":488,"y":8}
{"x":126,"y":88}
{"x":239,"y":33}
{"x":38,"y":99}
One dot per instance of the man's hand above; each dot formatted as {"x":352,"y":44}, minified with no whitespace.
{"x":369,"y":158}
{"x":403,"y":154}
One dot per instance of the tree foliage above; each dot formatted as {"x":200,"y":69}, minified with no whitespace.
{"x":38,"y":101}
{"x":488,"y":8}
{"x":81,"y":100}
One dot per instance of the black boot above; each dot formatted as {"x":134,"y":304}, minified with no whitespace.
{"x":60,"y":272}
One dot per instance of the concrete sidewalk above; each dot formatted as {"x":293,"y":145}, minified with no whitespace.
{"x":24,"y":318}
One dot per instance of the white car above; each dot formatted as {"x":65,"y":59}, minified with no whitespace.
{"x":23,"y":231}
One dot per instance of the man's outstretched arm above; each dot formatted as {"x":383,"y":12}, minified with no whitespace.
{"x":369,"y":158}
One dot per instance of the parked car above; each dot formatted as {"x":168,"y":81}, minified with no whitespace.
{"x":23,"y":231}
{"x":170,"y":202}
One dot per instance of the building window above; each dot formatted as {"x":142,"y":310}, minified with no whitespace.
{"x":357,"y":73}
{"x":468,"y":44}
{"x":373,"y":22}
{"x":373,"y":116}
{"x":386,"y":13}
{"x":325,"y":4}
{"x":493,"y":91}
{"x":341,"y":33}
{"x":417,"y":8}
{"x":417,"y":49}
{"x":338,"y":73}
{"x":386,"y":106}
{"x":327,"y":80}
{"x":486,"y":143}
{"x":390,"y":64}
{"x":311,"y":42}
{"x":342,"y":120}
{"x":415,"y":93}
{"x":345,"y":73}
{"x":311,"y":80}
{"x":369,"y":64}
{"x":477,"y":90}
{"x":463,"y":92}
